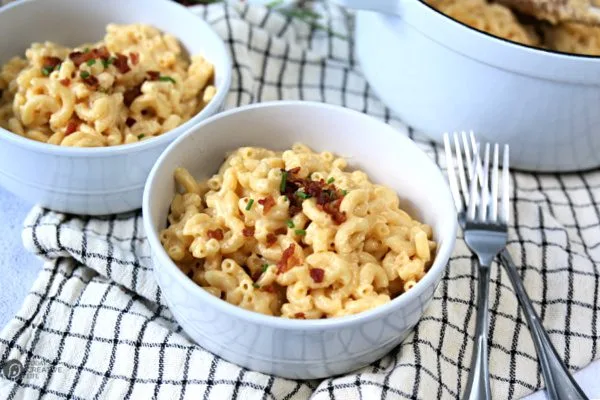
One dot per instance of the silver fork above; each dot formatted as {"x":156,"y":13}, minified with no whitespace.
{"x":559,"y":382}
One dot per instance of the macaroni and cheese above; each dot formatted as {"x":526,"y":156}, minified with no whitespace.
{"x":132,"y":86}
{"x":500,"y":20}
{"x":294,"y":234}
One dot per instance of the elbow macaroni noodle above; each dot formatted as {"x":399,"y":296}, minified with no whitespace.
{"x":132,"y":86}
{"x":293,"y":234}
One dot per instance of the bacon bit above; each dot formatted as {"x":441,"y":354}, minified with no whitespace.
{"x":72,"y":126}
{"x":267,"y":203}
{"x":317,"y":274}
{"x":299,"y":315}
{"x":284,"y":264}
{"x":327,"y":196}
{"x":216,"y":234}
{"x":51,"y":62}
{"x":91,"y":81}
{"x":131,"y":94}
{"x":135,"y":58}
{"x":121,"y":63}
{"x":79,"y":57}
{"x":333,"y":209}
{"x":269,"y":288}
{"x":271,"y":239}
{"x":101,"y":52}
{"x":130,"y":121}
{"x":248,"y":232}
{"x":281,"y":231}
{"x":153,"y":75}
{"x":65,"y":82}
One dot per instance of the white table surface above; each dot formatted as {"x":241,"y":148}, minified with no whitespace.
{"x":20,"y":268}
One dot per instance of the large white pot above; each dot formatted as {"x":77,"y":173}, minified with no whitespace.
{"x":441,"y":76}
{"x":101,"y":180}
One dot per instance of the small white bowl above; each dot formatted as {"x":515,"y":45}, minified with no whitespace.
{"x":300,"y":349}
{"x":95,"y":180}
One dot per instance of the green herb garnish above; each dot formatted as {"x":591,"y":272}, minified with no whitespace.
{"x":330,"y":180}
{"x":166,"y":79}
{"x":290,"y":223}
{"x":141,"y":136}
{"x":249,"y":205}
{"x":47,"y":70}
{"x":265,"y":267}
{"x":84,"y":74}
{"x":300,"y":232}
{"x":274,"y":3}
{"x":86,"y":49}
{"x":283,"y":181}
{"x":344,"y":192}
{"x":91,"y":62}
{"x":302,"y":195}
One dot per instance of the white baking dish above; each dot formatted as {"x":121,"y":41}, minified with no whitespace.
{"x":441,"y":76}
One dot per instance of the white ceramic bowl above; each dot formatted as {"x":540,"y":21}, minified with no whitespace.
{"x":441,"y":76}
{"x":95,"y":180}
{"x":300,"y":349}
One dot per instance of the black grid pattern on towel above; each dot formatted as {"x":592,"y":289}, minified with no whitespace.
{"x":95,"y":320}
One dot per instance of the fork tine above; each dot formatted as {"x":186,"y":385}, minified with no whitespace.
{"x":494,"y":198}
{"x":475,"y":148}
{"x":468,"y":148}
{"x":505,"y":213}
{"x":473,"y":190}
{"x":461,"y":168}
{"x":452,"y":175}
{"x":485,"y":193}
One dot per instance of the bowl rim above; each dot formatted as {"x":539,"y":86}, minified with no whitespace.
{"x":161,"y":140}
{"x":162,"y":260}
{"x":550,"y":52}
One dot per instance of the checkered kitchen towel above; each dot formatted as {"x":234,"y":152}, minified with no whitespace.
{"x":95,"y":326}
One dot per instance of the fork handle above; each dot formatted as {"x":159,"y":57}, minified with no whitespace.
{"x":478,"y":385}
{"x":560,"y":385}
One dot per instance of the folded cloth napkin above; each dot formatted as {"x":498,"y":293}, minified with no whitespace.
{"x":95,"y":326}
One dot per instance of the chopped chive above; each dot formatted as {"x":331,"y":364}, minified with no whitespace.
{"x":300,"y":232}
{"x":166,"y":79}
{"x":344,"y":192}
{"x":141,"y":136}
{"x":91,"y":62}
{"x":330,"y":180}
{"x":58,"y":67}
{"x":302,"y":195}
{"x":283,"y":181}
{"x":84,"y":74}
{"x":86,"y":49}
{"x":249,"y":205}
{"x":256,"y":285}
{"x":265,"y":267}
{"x":290,"y":223}
{"x":46,"y":71}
